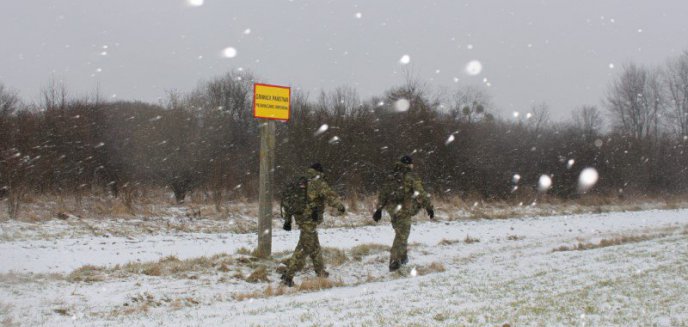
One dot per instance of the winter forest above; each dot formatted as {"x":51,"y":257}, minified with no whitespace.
{"x":206,"y":140}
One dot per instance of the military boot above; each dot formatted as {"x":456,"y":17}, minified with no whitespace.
{"x":287,"y":281}
{"x":323,"y":274}
{"x":394,"y":266}
{"x":404,"y":259}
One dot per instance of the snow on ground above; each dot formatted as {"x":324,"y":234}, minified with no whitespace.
{"x":468,"y":272}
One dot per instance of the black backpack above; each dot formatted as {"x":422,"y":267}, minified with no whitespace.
{"x":294,"y":198}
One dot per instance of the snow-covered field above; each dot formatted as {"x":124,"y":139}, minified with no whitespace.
{"x":631,"y":269}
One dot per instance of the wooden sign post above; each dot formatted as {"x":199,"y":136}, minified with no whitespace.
{"x":270,"y":103}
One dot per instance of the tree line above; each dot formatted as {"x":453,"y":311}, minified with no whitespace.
{"x":206,"y":140}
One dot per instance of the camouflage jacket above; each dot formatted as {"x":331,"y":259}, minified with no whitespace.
{"x":319,"y":194}
{"x":403,"y":192}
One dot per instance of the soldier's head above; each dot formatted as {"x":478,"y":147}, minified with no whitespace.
{"x":407,"y":160}
{"x":317,"y":167}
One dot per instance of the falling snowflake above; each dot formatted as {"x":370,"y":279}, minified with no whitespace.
{"x":405,"y":59}
{"x":358,"y":15}
{"x":544,"y":183}
{"x":195,"y":3}
{"x":516,"y":114}
{"x":474,"y":67}
{"x":247,"y":31}
{"x":611,"y":66}
{"x":229,"y":52}
{"x":323,"y":128}
{"x":516,"y":178}
{"x":587,"y":179}
{"x":598,"y":143}
{"x":414,"y":272}
{"x":570,"y":163}
{"x":334,"y":140}
{"x":449,"y":140}
{"x":402,"y":105}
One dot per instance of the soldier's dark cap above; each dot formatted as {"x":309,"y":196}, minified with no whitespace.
{"x":317,"y":166}
{"x":406,"y":160}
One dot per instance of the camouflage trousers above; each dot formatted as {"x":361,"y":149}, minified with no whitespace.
{"x":308,"y":246}
{"x":402,"y":230}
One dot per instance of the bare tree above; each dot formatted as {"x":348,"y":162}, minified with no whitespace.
{"x":539,"y":117}
{"x":676,"y":81}
{"x":470,"y":103}
{"x":635,"y":101}
{"x":589,"y":120}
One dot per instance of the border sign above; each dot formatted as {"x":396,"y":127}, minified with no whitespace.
{"x":271,"y":101}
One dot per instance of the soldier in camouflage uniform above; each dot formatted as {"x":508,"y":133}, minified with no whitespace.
{"x":318,"y":193}
{"x":402,"y":196}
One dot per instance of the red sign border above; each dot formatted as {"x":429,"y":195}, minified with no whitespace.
{"x":271,"y":85}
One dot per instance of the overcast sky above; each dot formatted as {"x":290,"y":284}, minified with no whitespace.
{"x":563,"y":53}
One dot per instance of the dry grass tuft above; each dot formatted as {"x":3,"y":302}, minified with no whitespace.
{"x":515,"y":237}
{"x":244,"y":251}
{"x":258,"y":275}
{"x":334,"y":257}
{"x":432,"y":268}
{"x":318,"y":283}
{"x":445,"y":242}
{"x":470,"y":240}
{"x":363,"y":250}
{"x":268,"y":292}
{"x":87,"y":273}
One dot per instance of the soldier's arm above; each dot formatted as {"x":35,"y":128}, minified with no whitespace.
{"x":330,"y":196}
{"x":423,"y":197}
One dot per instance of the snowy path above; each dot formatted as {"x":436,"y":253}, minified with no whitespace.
{"x":65,"y":255}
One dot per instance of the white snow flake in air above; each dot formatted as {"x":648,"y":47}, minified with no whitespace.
{"x":229,"y":52}
{"x":414,"y":272}
{"x":405,"y":59}
{"x":334,"y":140}
{"x":598,"y":143}
{"x":516,"y":178}
{"x":611,"y":66}
{"x":570,"y":163}
{"x":195,"y":3}
{"x":456,"y":79}
{"x":402,"y":105}
{"x":450,"y":139}
{"x":469,"y":47}
{"x":544,"y":183}
{"x":104,"y":53}
{"x":99,"y":70}
{"x":358,"y":15}
{"x":266,"y":232}
{"x":474,"y":67}
{"x":247,"y":31}
{"x":640,"y":30}
{"x":587,"y":179}
{"x":323,"y":128}
{"x":516,"y":114}
{"x":99,"y":145}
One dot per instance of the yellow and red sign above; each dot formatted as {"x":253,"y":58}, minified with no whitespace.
{"x":271,"y":101}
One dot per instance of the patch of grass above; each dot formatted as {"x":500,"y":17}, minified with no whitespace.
{"x":244,"y":251}
{"x":318,"y":283}
{"x":334,"y":256}
{"x":470,"y":240}
{"x":445,"y":242}
{"x":268,"y":292}
{"x":431,"y":268}
{"x":514,"y":237}
{"x":258,"y":275}
{"x":582,"y":246}
{"x":362,"y":250}
{"x":87,"y":273}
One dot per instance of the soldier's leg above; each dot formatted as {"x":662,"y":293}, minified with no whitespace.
{"x":316,"y":256}
{"x":395,"y":252}
{"x":404,"y":232}
{"x":298,"y":258}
